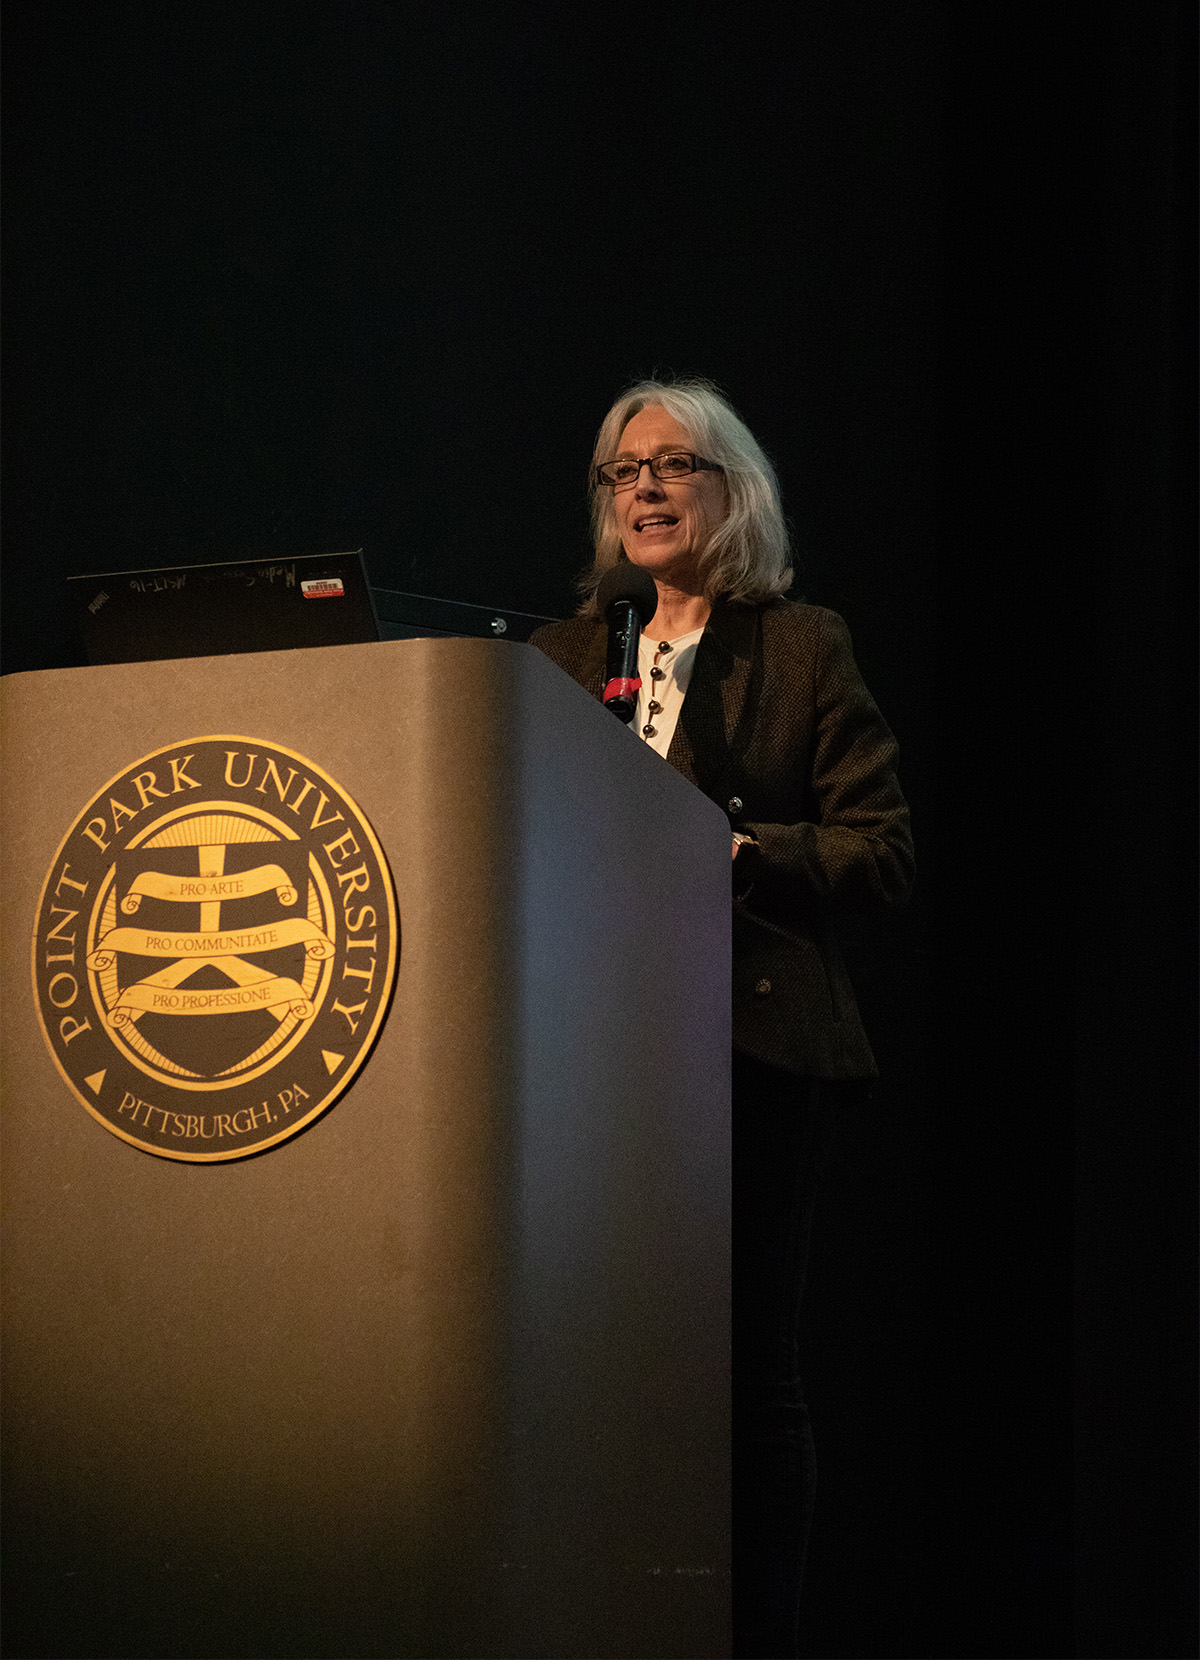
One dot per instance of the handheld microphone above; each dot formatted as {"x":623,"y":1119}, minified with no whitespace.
{"x":627,"y":599}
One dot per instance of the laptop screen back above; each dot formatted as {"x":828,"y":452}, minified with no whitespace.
{"x":238,"y":605}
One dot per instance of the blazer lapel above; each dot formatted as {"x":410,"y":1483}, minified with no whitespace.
{"x":717,"y":714}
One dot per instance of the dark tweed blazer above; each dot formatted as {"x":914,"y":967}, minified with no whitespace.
{"x":778,"y":729}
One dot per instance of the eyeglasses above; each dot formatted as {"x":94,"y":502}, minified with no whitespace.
{"x":674,"y":464}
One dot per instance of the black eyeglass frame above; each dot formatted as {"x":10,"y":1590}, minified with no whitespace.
{"x":699,"y":465}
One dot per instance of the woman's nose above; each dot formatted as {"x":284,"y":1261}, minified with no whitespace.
{"x":647,"y":484}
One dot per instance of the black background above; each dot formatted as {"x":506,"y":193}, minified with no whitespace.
{"x":294,"y":279}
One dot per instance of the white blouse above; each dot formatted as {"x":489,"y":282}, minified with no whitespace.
{"x":665,"y":667}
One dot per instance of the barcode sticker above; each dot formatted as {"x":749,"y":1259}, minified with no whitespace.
{"x":323,"y":587}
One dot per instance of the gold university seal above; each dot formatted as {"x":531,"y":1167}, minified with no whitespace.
{"x":215,"y":948}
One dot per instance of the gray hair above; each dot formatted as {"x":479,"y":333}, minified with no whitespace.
{"x":748,"y":556}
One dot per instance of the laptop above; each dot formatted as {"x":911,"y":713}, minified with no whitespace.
{"x":316,"y":599}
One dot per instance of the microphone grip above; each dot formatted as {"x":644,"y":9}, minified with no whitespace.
{"x":622,"y":683}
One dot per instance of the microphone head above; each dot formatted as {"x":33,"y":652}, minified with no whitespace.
{"x":628,"y":582}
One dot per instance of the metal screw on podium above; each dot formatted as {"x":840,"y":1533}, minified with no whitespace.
{"x":499,"y":626}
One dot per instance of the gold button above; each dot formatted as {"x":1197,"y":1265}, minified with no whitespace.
{"x":763,"y":988}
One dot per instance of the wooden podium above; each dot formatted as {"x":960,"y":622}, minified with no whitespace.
{"x":447,"y":1372}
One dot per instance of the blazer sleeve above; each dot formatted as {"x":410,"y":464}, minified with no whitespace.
{"x":856,"y":849}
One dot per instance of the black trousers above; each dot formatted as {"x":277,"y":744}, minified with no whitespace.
{"x":781,"y":1128}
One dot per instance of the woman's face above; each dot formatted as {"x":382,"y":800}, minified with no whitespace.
{"x":665,"y":524}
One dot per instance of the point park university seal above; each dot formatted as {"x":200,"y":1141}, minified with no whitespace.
{"x":215,"y":948}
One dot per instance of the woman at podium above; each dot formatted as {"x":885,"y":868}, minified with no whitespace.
{"x":758,"y":701}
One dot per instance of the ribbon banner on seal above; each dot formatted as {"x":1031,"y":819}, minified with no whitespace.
{"x":199,"y":890}
{"x":251,"y":987}
{"x":207,"y":946}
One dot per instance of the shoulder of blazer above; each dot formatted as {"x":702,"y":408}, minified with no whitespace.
{"x":576,"y":645}
{"x":791,"y":619}
{"x":808,"y":641}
